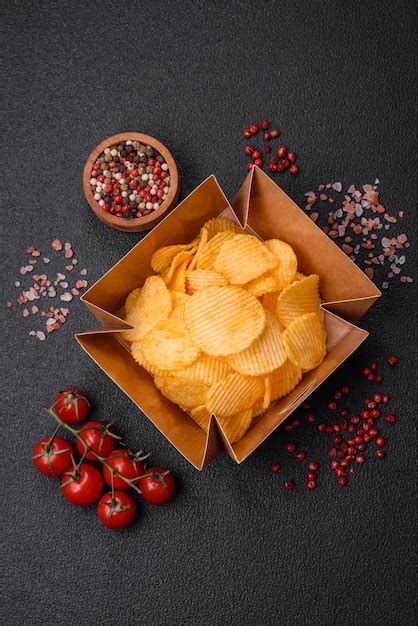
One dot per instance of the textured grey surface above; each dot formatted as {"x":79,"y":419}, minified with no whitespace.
{"x":232,"y":547}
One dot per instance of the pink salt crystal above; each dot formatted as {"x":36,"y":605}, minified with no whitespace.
{"x":75,"y":292}
{"x":347,"y":249}
{"x":321,"y":187}
{"x":45,"y":260}
{"x":83,"y":272}
{"x":23,"y":270}
{"x":32,"y":262}
{"x":402,"y":238}
{"x":56,"y":245}
{"x":25,"y":313}
{"x":314,"y":216}
{"x":64,"y":284}
{"x":66,"y":297}
{"x":69,"y":267}
{"x":36,"y":253}
{"x":32,"y":333}
{"x":30,"y":249}
{"x":74,"y":261}
{"x":390,"y":218}
{"x":64,"y":311}
{"x":337,"y":186}
{"x":401,"y":213}
{"x":40,"y":335}
{"x":80,"y":284}
{"x":68,"y":253}
{"x":369,"y":271}
{"x":34,"y":309}
{"x":323,"y":196}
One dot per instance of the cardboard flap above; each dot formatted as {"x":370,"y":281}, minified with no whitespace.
{"x":109,"y":320}
{"x":272,"y":214}
{"x":241,"y":202}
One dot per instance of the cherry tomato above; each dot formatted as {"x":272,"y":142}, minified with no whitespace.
{"x":124,"y":462}
{"x":158,"y":487}
{"x":117,"y":512}
{"x":83,"y":486}
{"x":96,"y":435}
{"x":52,"y":456}
{"x":71,"y":405}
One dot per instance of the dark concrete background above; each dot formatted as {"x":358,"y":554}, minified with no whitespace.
{"x":232,"y":547}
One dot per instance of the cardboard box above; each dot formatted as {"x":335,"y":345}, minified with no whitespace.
{"x":262,"y":208}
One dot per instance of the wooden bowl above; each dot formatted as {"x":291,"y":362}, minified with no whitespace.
{"x":137,"y":223}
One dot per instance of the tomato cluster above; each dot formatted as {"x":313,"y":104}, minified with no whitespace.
{"x":82,"y":483}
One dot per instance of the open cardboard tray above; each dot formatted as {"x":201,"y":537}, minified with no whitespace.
{"x":261,"y":208}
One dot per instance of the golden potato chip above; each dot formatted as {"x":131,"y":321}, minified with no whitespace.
{"x":286,"y":269}
{"x":299,"y":276}
{"x":163,"y":257}
{"x":207,"y":257}
{"x":301,"y":297}
{"x":235,"y":426}
{"x":261,"y":285}
{"x":269,"y":300}
{"x":244,"y":258}
{"x":201,"y":416}
{"x":169,"y":346}
{"x":224,"y":320}
{"x":178,"y":279}
{"x":180,"y":391}
{"x":305,"y":341}
{"x":202,"y":243}
{"x":219,"y":225}
{"x":138,"y":355}
{"x":283,"y":380}
{"x":183,"y":257}
{"x":234,"y":394}
{"x":206,"y":369}
{"x":265,"y":354}
{"x":202,"y":279}
{"x":154,"y":304}
{"x":132,"y":299}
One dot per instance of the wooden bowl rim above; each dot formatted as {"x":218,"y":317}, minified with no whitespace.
{"x":118,"y":222}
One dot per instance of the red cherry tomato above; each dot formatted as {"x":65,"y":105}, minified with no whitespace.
{"x":158,"y":487}
{"x":83,"y":486}
{"x":117,"y":512}
{"x":52,"y":456}
{"x":96,"y":435}
{"x":71,"y":405}
{"x":124,"y":462}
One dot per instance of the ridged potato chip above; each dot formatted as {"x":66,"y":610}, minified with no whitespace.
{"x":201,"y":416}
{"x":234,"y":394}
{"x":179,"y":302}
{"x":219,"y":225}
{"x":224,"y":320}
{"x":202,"y":243}
{"x":169,"y":346}
{"x":154,"y":305}
{"x":178,"y":279}
{"x":181,"y":258}
{"x":210,"y":251}
{"x":235,"y":426}
{"x":206,"y":369}
{"x":180,"y":391}
{"x":283,"y":380}
{"x":132,"y":299}
{"x":285,"y":271}
{"x":305,"y":341}
{"x":269,"y":300}
{"x":261,"y":285}
{"x":202,"y":279}
{"x":265,"y":354}
{"x":138,"y":355}
{"x":299,"y":276}
{"x":244,"y":258}
{"x":162,"y":258}
{"x":301,"y":297}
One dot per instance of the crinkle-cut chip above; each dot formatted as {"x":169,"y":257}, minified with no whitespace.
{"x":265,"y":354}
{"x":300,"y":276}
{"x":266,"y":283}
{"x":162,"y":258}
{"x":138,"y":355}
{"x":224,"y":320}
{"x":258,"y":408}
{"x":219,"y":225}
{"x":286,"y":269}
{"x":305,"y":341}
{"x":203,"y":239}
{"x":244,"y":258}
{"x":178,"y":279}
{"x":201,"y":416}
{"x":179,"y":302}
{"x":180,"y":391}
{"x":181,"y":258}
{"x":169,"y":345}
{"x":301,"y":297}
{"x":132,"y":299}
{"x":269,"y":300}
{"x":235,"y":426}
{"x":234,"y":394}
{"x":202,"y":279}
{"x":284,"y":379}
{"x":154,"y":305}
{"x":206,"y":369}
{"x":210,"y":251}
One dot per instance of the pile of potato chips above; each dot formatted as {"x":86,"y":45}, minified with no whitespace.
{"x":226,"y":325}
